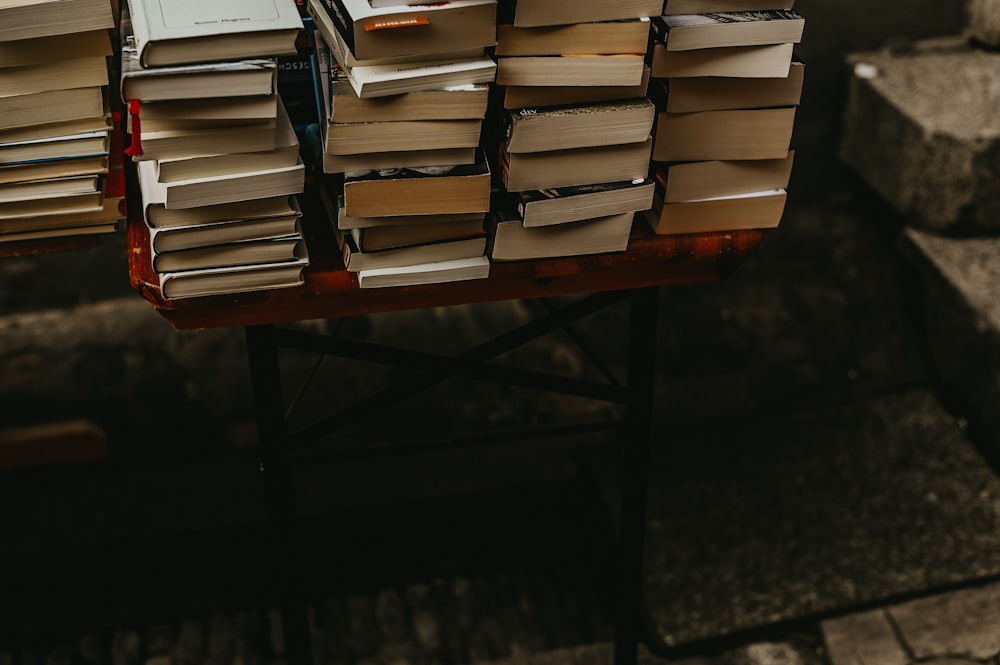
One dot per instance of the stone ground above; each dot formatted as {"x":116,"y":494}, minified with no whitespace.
{"x":809,"y":481}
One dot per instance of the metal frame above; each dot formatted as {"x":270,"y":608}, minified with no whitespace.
{"x":278,"y":444}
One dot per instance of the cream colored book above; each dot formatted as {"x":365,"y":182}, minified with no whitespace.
{"x":512,"y":241}
{"x":53,"y":106}
{"x":563,"y":12}
{"x":62,"y":232}
{"x":58,"y":168}
{"x":29,"y":19}
{"x":233,"y":280}
{"x":714,"y":30}
{"x":689,"y":181}
{"x":174,"y":238}
{"x":372,"y":137}
{"x":732,"y":134}
{"x":47,"y":189}
{"x":755,"y":210}
{"x":425,"y":30}
{"x":398,"y":159}
{"x":230,"y":188}
{"x":285,"y":153}
{"x":588,"y":38}
{"x":382,"y":80}
{"x":59,"y":147}
{"x":189,"y":31}
{"x":673,"y":7}
{"x":68,"y":73}
{"x":770,"y":61}
{"x":51,"y":48}
{"x":579,"y":166}
{"x":578,"y":126}
{"x":571,"y":70}
{"x":426,"y":273}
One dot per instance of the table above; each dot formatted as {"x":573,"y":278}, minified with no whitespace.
{"x":330,"y":292}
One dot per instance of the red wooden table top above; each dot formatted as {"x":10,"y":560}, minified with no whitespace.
{"x":330,"y":291}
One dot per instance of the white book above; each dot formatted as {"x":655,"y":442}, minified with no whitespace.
{"x":229,"y":188}
{"x":189,"y":31}
{"x":284,"y":153}
{"x":174,"y":238}
{"x":232,"y":280}
{"x":382,"y":80}
{"x":405,"y":31}
{"x":426,"y":273}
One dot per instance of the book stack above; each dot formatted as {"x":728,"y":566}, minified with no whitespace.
{"x":726,"y":85}
{"x":216,"y":154}
{"x":573,"y":138}
{"x":57,"y":178}
{"x":404,"y":90}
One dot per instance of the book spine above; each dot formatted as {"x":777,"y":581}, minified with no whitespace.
{"x":337,"y":11}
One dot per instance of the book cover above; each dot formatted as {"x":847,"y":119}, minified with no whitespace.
{"x":173,"y":238}
{"x":174,"y":32}
{"x":253,"y":76}
{"x":234,"y":279}
{"x":241,"y":252}
{"x":387,"y":32}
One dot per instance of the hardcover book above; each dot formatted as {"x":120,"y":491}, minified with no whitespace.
{"x":387,"y":32}
{"x":191,"y":165}
{"x":173,"y":238}
{"x":58,"y":147}
{"x":752,"y":28}
{"x":182,"y":32}
{"x":234,"y":279}
{"x":157,"y":215}
{"x":256,"y":76}
{"x":243,"y":252}
{"x":229,"y":188}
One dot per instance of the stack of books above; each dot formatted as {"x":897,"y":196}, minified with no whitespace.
{"x":726,"y":85}
{"x":216,"y":155}
{"x":405,"y":90}
{"x":573,"y":126}
{"x":59,"y":175}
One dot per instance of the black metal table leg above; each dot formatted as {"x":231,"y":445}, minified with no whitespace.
{"x":629,"y":616}
{"x":265,"y":379}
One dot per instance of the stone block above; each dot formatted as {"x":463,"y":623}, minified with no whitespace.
{"x":984,"y":21}
{"x":958,"y":624}
{"x":865,"y":637}
{"x":921,"y":127}
{"x":962,"y":323}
